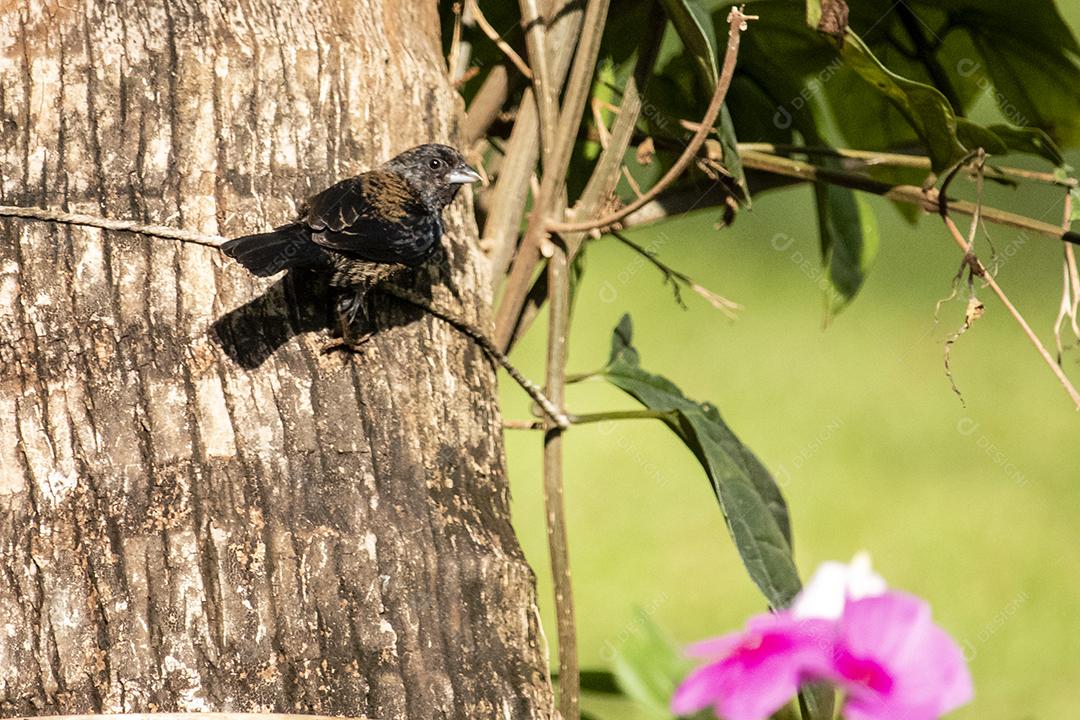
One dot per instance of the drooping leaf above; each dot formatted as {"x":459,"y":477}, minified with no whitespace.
{"x":849,"y":243}
{"x":752,"y":504}
{"x":1029,"y":140}
{"x":974,"y":136}
{"x":924,"y":107}
{"x":731,"y":160}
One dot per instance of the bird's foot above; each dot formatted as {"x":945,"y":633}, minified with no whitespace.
{"x":352,"y":344}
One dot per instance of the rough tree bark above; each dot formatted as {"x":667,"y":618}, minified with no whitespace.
{"x":197,"y":510}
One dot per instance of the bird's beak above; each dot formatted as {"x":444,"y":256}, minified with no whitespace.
{"x":463,"y":175}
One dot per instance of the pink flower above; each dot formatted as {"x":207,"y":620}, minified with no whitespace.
{"x":894,"y":663}
{"x":755,"y":672}
{"x":880,"y":647}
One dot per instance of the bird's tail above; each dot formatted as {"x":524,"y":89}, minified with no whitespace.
{"x":286,"y":247}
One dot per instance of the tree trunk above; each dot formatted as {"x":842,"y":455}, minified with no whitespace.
{"x":198,"y":511}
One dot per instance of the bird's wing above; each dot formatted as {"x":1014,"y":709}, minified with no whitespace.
{"x":375,"y":216}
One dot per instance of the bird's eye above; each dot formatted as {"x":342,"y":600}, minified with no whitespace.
{"x":435,"y":164}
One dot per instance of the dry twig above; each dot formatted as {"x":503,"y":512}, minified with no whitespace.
{"x":1070,"y":293}
{"x":930,"y":202}
{"x":978,"y":268}
{"x":496,"y":38}
{"x":736,"y":24}
{"x":675,"y":277}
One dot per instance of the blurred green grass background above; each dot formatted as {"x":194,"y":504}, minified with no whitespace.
{"x":975,"y":508}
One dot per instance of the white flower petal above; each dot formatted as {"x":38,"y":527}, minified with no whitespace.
{"x":833,"y":583}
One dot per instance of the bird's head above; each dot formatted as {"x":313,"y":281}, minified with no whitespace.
{"x":435,"y":171}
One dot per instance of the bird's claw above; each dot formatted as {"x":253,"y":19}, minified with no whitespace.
{"x":352,"y":345}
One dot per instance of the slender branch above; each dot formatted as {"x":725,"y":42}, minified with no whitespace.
{"x":901,"y":193}
{"x":536,"y":45}
{"x":555,"y":164}
{"x":556,"y":152}
{"x":455,"y":53}
{"x":604,"y":178}
{"x":980,"y":166}
{"x":487,"y":103}
{"x":559,"y":321}
{"x":511,"y":190}
{"x":66,"y":218}
{"x":681,"y":200}
{"x":917,"y":162}
{"x":621,"y":415}
{"x":551,"y":195}
{"x":1070,"y":292}
{"x":496,"y":38}
{"x":523,"y":425}
{"x":736,"y":24}
{"x":557,"y":417}
{"x":979,"y":269}
{"x":602,"y":182}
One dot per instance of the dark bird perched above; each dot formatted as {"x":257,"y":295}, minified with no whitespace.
{"x":365,"y":229}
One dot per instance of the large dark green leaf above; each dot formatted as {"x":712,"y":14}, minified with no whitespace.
{"x":749,"y":497}
{"x":923,"y":106}
{"x":1031,"y":56}
{"x":849,"y":243}
{"x":1030,"y":82}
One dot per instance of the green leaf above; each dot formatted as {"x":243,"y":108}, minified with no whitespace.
{"x":1035,"y":21}
{"x":731,"y":160}
{"x":1029,"y":140}
{"x":818,"y":700}
{"x":923,"y":106}
{"x":975,"y":136}
{"x":755,"y":511}
{"x":849,"y":243}
{"x":1035,"y":77}
{"x":695,"y":29}
{"x":648,"y":666}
